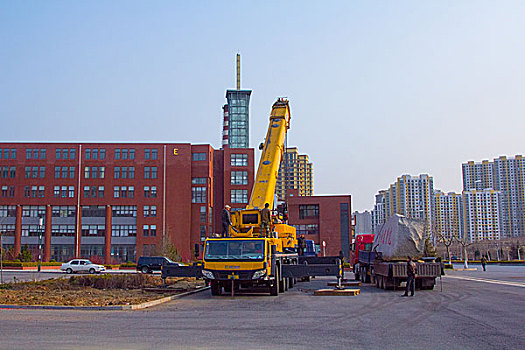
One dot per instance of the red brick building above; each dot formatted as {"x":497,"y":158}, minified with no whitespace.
{"x":322,"y":218}
{"x":117,"y":200}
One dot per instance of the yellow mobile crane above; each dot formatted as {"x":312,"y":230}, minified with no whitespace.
{"x":249,"y":257}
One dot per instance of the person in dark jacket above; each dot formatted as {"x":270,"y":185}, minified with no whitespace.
{"x":226,"y":221}
{"x":411,"y":280}
{"x":484,"y":263}
{"x":301,"y":245}
{"x":265,"y":221}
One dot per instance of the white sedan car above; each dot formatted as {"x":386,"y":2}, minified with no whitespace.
{"x":81,"y":265}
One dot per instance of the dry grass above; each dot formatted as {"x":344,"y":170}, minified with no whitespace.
{"x":90,"y":290}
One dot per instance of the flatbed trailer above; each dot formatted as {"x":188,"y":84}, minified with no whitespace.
{"x":390,"y":274}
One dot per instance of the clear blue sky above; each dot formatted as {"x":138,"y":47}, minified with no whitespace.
{"x":378,"y":88}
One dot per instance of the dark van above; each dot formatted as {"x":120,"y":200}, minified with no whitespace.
{"x":147,"y":264}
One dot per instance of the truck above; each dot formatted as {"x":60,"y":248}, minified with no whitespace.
{"x":382,"y":259}
{"x":249,"y":257}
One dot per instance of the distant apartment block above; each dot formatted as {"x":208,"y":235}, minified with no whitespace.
{"x":363,"y":222}
{"x":448,"y":215}
{"x":482,"y":214}
{"x":379,"y":212}
{"x":411,"y":196}
{"x":296,"y":172}
{"x":506,"y":175}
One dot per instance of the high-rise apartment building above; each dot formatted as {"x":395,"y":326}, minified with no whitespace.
{"x":411,"y":196}
{"x":379,"y":212}
{"x":362,"y":222}
{"x":236,"y":114}
{"x":295,"y":172}
{"x":482,"y":211}
{"x":117,"y":200}
{"x":448,"y":215}
{"x":506,"y":175}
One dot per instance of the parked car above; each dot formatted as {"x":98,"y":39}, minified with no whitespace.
{"x":148,"y":264}
{"x":81,"y":265}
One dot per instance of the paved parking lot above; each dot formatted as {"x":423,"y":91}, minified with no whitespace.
{"x":467,"y":314}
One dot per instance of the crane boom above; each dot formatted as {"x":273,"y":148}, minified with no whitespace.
{"x":264,"y":186}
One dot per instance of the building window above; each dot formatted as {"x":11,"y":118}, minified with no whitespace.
{"x":154,"y":153}
{"x":198,"y":156}
{"x":153,"y":191}
{"x":198,"y":194}
{"x":64,"y":172}
{"x":4,"y":191}
{"x":146,"y":192}
{"x":88,"y":153}
{"x":146,"y":211}
{"x":63,"y":191}
{"x":71,"y":172}
{"x":117,"y":153}
{"x":147,"y":153}
{"x":56,"y":191}
{"x":41,"y":191}
{"x":153,"y":230}
{"x":124,"y":154}
{"x":239,"y":196}
{"x":57,"y":172}
{"x":86,"y":172}
{"x":58,"y":154}
{"x":100,"y":191}
{"x":42,"y":172}
{"x":34,"y":173}
{"x":65,"y":154}
{"x":124,"y":211}
{"x":5,"y":172}
{"x":116,"y":172}
{"x":153,"y":172}
{"x":198,"y":181}
{"x":145,"y":230}
{"x":11,"y":191}
{"x":308,"y":211}
{"x":153,"y":211}
{"x":123,"y":230}
{"x":203,"y":217}
{"x":132,"y":153}
{"x":124,"y":172}
{"x":239,"y":160}
{"x":102,"y":153}
{"x":239,"y":178}
{"x":124,"y":191}
{"x":12,"y":173}
{"x":116,"y":192}
{"x":131,"y":172}
{"x":71,"y":191}
{"x":146,"y":172}
{"x":27,"y":172}
{"x":131,"y":191}
{"x":28,"y":153}
{"x":203,"y":232}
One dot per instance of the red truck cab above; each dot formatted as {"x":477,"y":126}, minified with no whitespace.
{"x":363,"y":242}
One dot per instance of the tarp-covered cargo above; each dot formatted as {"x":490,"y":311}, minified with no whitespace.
{"x":400,"y":237}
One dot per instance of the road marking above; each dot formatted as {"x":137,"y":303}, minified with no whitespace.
{"x":515,"y":284}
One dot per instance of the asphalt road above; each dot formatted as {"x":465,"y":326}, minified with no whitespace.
{"x":475,"y":310}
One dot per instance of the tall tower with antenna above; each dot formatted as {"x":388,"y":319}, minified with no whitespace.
{"x":236,"y":114}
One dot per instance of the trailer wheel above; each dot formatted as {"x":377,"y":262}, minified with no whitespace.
{"x":215,"y":288}
{"x":282,"y":285}
{"x":291,"y":282}
{"x":274,"y":287}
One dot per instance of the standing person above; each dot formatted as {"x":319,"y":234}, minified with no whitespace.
{"x":265,"y":220}
{"x":226,"y":221}
{"x":301,"y":243}
{"x":484,"y":263}
{"x":411,"y":280}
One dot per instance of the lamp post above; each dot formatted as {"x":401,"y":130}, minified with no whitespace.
{"x":40,"y":223}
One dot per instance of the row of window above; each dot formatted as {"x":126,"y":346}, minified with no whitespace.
{"x":64,"y":172}
{"x":69,"y":211}
{"x":35,"y":153}
{"x":7,"y":153}
{"x":35,"y":172}
{"x":8,"y":191}
{"x":65,"y":153}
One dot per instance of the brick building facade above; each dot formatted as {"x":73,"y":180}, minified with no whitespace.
{"x":117,"y":200}
{"x":323,"y":218}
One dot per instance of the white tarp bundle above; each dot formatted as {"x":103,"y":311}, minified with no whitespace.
{"x":401,"y":237}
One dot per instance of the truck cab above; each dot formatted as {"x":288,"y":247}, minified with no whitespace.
{"x":363,"y":243}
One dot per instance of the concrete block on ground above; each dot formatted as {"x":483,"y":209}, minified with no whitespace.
{"x":338,"y":292}
{"x":345,"y":284}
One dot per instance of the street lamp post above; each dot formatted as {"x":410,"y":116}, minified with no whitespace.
{"x":40,"y":223}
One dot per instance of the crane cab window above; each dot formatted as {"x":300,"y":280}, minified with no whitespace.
{"x":250,"y":219}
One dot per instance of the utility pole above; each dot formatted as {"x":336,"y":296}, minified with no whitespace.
{"x":40,"y":223}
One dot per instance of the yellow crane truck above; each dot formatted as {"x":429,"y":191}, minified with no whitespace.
{"x":250,"y":257}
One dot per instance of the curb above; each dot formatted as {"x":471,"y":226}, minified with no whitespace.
{"x":115,"y":307}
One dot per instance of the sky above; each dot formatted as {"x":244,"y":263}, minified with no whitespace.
{"x":377,"y":89}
